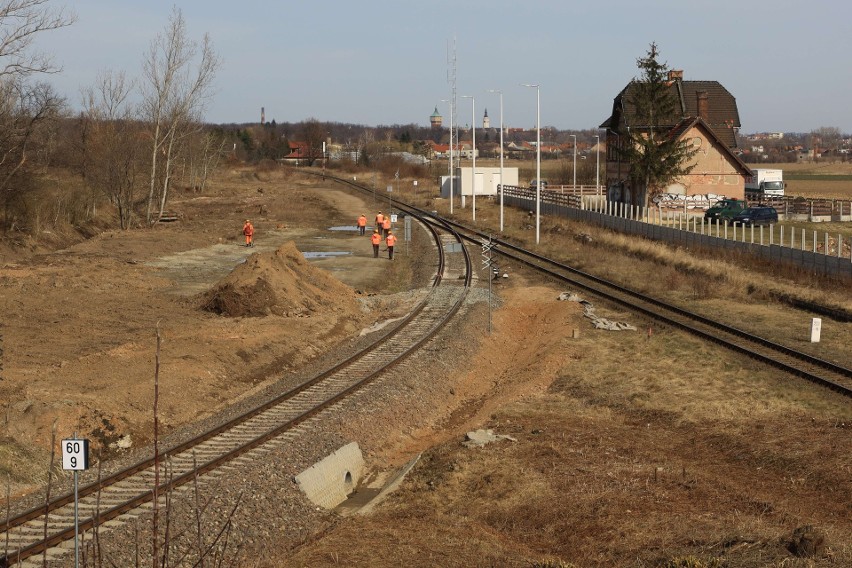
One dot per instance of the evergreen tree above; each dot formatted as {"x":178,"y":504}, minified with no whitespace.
{"x":655,"y":157}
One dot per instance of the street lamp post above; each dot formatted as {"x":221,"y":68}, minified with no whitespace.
{"x":473,"y":166}
{"x":574,"y":136}
{"x":537,"y":159}
{"x":451,"y":152}
{"x":501,"y":154}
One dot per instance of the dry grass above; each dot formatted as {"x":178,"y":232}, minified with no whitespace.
{"x":749,"y":295}
{"x":595,"y":480}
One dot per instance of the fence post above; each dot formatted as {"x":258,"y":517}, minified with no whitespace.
{"x":839,"y":245}
{"x":761,"y":234}
{"x":815,"y":236}
{"x":826,"y":244}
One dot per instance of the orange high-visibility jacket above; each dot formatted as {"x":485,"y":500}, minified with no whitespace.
{"x":376,"y":239}
{"x":248,"y":229}
{"x":362,"y":221}
{"x":386,"y":224}
{"x":391,"y":240}
{"x":379,"y":220}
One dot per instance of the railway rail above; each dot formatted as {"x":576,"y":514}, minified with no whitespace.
{"x":792,"y":361}
{"x":822,"y":372}
{"x":23,"y":536}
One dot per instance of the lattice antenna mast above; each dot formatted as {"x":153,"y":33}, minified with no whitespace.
{"x":454,"y":123}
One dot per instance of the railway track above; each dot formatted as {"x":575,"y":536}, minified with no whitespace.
{"x":789,"y":360}
{"x":23,"y":536}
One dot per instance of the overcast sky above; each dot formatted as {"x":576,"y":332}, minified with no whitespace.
{"x":382,"y":62}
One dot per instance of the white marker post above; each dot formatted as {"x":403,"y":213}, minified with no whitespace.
{"x":75,"y":457}
{"x":816,"y":328}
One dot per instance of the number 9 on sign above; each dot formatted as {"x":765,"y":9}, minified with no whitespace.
{"x":75,"y":455}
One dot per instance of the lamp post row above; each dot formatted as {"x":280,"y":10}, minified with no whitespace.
{"x":537,"y":158}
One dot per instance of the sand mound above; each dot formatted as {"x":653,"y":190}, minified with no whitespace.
{"x":282,"y":283}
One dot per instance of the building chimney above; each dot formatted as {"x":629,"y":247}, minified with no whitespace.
{"x":703,"y":105}
{"x":676,"y":75}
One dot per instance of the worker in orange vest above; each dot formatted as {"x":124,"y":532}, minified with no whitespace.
{"x":386,"y":224}
{"x":376,"y":239}
{"x":362,"y":224}
{"x":248,"y":231}
{"x":391,"y":241}
{"x":380,"y":219}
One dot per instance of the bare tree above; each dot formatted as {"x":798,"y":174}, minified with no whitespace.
{"x":205,"y":150}
{"x":24,"y":110}
{"x":24,"y":107}
{"x":113,"y":153}
{"x":174,"y":96}
{"x":20,"y":22}
{"x":313,"y":133}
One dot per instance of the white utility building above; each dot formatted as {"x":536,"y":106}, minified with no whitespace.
{"x":487,"y":180}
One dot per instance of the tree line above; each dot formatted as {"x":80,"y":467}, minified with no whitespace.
{"x":133,"y":141}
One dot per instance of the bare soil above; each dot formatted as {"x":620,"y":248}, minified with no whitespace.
{"x":80,"y":324}
{"x":626,"y":449}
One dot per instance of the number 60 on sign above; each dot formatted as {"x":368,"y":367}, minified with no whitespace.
{"x":75,"y":455}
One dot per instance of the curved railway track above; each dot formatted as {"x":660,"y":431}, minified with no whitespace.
{"x":819,"y":371}
{"x":22,"y":537}
{"x":822,"y":372}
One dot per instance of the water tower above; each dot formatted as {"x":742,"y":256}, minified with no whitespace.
{"x":436,"y":120}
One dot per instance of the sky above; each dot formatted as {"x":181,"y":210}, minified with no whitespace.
{"x":385,"y":62}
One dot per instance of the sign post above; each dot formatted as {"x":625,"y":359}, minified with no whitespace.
{"x":488,"y":264}
{"x":75,"y":457}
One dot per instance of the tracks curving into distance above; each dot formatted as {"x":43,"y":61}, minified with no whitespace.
{"x":22,"y":537}
{"x":819,"y":371}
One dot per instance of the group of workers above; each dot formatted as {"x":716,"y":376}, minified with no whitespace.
{"x":382,"y":230}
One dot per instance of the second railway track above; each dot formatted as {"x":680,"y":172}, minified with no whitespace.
{"x":825,"y":373}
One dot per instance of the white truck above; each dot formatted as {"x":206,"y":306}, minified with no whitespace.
{"x":765,"y":182}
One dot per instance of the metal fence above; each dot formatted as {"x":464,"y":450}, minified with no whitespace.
{"x":825,"y":254}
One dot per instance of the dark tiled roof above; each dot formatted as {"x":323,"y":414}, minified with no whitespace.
{"x":722,"y":114}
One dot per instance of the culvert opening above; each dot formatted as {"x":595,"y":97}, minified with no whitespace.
{"x":347,"y":482}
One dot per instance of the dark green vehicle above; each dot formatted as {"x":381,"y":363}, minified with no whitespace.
{"x":726,"y":210}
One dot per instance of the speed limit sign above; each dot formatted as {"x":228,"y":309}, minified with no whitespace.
{"x":75,"y":454}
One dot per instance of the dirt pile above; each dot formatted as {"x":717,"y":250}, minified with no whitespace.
{"x":282,"y":283}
